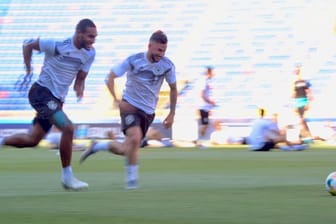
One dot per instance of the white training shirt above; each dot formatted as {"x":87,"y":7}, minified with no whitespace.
{"x":62,"y":61}
{"x":208,"y":88}
{"x":261,"y":131}
{"x":144,"y":80}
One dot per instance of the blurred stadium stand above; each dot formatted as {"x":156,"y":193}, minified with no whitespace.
{"x":253,"y":45}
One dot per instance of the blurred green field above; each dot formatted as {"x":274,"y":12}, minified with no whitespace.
{"x":178,"y":185}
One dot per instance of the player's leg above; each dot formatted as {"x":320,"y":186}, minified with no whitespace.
{"x":135,"y":126}
{"x":290,"y":143}
{"x":203,"y":127}
{"x":49,"y":112}
{"x":38,"y":97}
{"x":108,"y":146}
{"x":302,"y":107}
{"x":204,"y":115}
{"x":64,"y":124}
{"x":34,"y":136}
{"x":267,"y":146}
{"x":30,"y":139}
{"x":131,"y":146}
{"x":132,"y":143}
{"x":307,"y":133}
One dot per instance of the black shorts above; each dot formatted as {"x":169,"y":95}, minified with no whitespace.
{"x":266,"y":147}
{"x":45,"y":104}
{"x":204,"y":116}
{"x":136,"y":118}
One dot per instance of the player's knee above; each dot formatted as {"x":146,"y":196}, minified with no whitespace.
{"x":62,"y":122}
{"x":134,"y":141}
{"x":69,"y":129}
{"x":34,"y":143}
{"x":31,"y":141}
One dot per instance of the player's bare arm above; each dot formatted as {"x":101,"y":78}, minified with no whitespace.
{"x":168,"y":122}
{"x":27,"y":51}
{"x":80,"y":84}
{"x":309,"y":94}
{"x":110,"y":85}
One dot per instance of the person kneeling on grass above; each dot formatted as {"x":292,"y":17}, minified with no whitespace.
{"x":266,"y":135}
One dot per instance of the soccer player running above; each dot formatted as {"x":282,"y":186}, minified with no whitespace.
{"x":64,"y":62}
{"x":145,"y":72}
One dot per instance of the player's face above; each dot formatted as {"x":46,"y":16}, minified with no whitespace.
{"x":87,"y":39}
{"x":156,"y":51}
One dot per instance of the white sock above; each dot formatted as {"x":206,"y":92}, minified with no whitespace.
{"x":132,"y":172}
{"x":67,"y":172}
{"x":101,"y":146}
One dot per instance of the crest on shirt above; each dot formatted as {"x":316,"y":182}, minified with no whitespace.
{"x":52,"y":105}
{"x":129,"y":119}
{"x":157,"y":70}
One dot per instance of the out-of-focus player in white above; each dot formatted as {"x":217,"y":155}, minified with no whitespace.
{"x":266,"y":135}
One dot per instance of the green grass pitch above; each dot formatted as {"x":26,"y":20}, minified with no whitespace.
{"x":177,"y":185}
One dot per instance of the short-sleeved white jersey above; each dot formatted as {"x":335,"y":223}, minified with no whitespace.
{"x":261,"y":130}
{"x":208,"y":88}
{"x":144,"y":80}
{"x":62,"y":61}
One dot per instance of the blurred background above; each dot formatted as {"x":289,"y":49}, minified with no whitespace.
{"x":254,"y":46}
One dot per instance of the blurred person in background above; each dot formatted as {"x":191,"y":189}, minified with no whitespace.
{"x":302,"y":95}
{"x":207,"y":103}
{"x":265,"y":135}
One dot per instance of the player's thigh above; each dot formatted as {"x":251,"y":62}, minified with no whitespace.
{"x":42,"y":100}
{"x":62,"y":121}
{"x":37,"y":132}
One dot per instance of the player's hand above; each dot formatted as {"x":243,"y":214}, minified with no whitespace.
{"x":79,"y":99}
{"x":168,"y":122}
{"x":29,"y":71}
{"x":116,"y":102}
{"x":79,"y":95}
{"x":23,"y":82}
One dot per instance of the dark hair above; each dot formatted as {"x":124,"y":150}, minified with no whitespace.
{"x":209,"y":68}
{"x":159,"y":37}
{"x":83,"y":24}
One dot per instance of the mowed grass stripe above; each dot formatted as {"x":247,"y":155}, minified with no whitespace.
{"x":214,"y":185}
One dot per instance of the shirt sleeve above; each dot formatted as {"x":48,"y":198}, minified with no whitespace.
{"x":171,"y":75}
{"x":86,"y":67}
{"x":47,"y":46}
{"x":121,"y":68}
